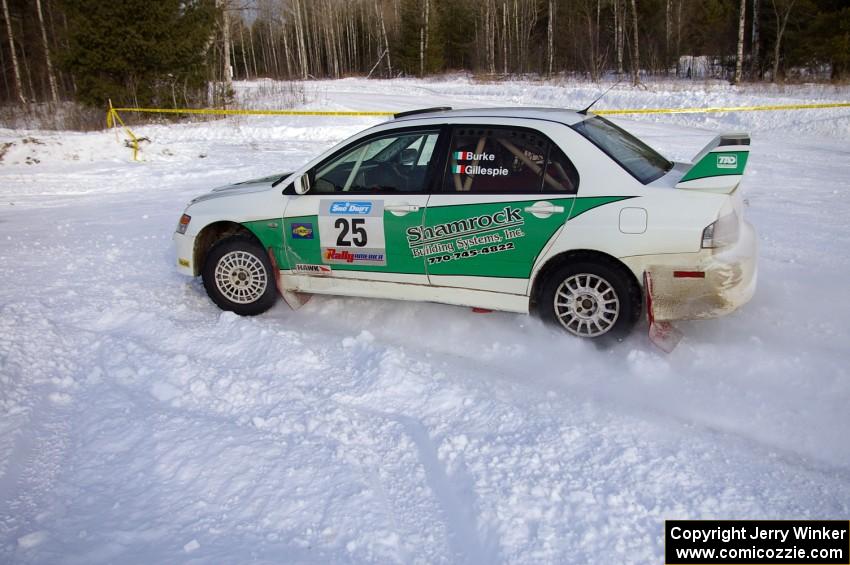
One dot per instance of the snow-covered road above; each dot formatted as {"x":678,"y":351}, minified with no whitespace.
{"x":140,"y":424}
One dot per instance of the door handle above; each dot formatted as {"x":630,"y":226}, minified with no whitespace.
{"x":401,"y":208}
{"x":542,"y":210}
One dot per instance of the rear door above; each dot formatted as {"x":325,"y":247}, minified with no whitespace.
{"x":506,"y":191}
{"x":363,"y":200}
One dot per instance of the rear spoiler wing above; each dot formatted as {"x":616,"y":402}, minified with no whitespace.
{"x":720,"y":165}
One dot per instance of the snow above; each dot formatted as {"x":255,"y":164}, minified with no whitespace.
{"x":140,"y":424}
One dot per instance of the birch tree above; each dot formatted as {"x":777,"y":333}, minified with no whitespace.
{"x":51,"y":76}
{"x":739,"y":60}
{"x":635,"y":49}
{"x":19,"y":87}
{"x":755,"y":41}
{"x":550,"y":38}
{"x":225,"y":28}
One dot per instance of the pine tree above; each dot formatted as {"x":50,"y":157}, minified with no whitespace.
{"x":457,"y":25}
{"x":139,"y":52}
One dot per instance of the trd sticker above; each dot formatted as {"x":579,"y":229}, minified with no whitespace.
{"x":727,"y":161}
{"x":305,"y":269}
{"x":302,"y":231}
{"x":351,"y":232}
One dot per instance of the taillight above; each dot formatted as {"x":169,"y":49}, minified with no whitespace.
{"x":183,"y":224}
{"x":721,"y":233}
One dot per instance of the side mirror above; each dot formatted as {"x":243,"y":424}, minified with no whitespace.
{"x":302,"y":184}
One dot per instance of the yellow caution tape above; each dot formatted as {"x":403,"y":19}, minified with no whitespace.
{"x":725,"y":109}
{"x":113,"y":118}
{"x":221,"y":112}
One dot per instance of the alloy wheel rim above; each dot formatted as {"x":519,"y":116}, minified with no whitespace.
{"x":586,"y":305}
{"x":241,"y":277}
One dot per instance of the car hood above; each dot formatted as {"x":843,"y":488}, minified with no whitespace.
{"x":244,"y":187}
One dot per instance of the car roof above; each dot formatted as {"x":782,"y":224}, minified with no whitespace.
{"x":559,"y":115}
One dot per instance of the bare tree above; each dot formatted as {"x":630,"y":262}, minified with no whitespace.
{"x":550,"y":36}
{"x":739,"y":60}
{"x":782,"y":9}
{"x":505,"y":37}
{"x":423,"y":36}
{"x":667,"y":26}
{"x":619,"y":14}
{"x":51,"y":76}
{"x":19,"y":87}
{"x":592,"y":41}
{"x":755,"y":40}
{"x":225,"y":25}
{"x":242,"y":50}
{"x":386,"y":40}
{"x":635,"y":49}
{"x":299,"y":39}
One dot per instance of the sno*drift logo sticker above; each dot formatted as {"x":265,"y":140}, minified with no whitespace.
{"x":351,"y":208}
{"x":727,"y":161}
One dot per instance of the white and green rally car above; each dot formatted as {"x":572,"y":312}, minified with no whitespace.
{"x":516,"y":209}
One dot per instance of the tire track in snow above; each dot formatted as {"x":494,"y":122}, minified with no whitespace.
{"x":28,"y":487}
{"x":468,"y":543}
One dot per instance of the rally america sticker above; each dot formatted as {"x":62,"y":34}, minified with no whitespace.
{"x":351,"y":232}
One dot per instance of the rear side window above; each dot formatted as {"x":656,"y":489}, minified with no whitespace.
{"x":638,"y":158}
{"x":497,"y":160}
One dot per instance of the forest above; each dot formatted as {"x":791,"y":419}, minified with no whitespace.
{"x":179,"y":53}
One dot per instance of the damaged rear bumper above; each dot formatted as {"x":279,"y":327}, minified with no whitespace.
{"x":707,"y":284}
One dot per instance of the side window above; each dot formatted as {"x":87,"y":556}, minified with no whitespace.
{"x":506,"y":160}
{"x":393,"y":163}
{"x":561,"y":175}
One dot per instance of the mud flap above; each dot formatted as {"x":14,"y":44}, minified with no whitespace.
{"x":664,"y":335}
{"x":294,"y":300}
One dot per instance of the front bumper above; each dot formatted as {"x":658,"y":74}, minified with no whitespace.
{"x":185,"y":246}
{"x":707,"y":284}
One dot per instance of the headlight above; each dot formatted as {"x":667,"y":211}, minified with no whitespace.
{"x":183,"y":224}
{"x":721,"y":233}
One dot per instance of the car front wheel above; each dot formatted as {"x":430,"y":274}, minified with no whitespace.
{"x":238,"y":276}
{"x":591,"y":300}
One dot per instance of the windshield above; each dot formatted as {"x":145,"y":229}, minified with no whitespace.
{"x":632,"y":154}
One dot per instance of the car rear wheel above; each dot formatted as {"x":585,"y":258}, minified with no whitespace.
{"x":591,"y":300}
{"x":238,"y":276}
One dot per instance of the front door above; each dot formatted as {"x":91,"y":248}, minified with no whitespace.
{"x":362,"y":203}
{"x":506,"y":192}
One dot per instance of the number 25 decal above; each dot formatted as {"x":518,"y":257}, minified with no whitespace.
{"x":355,"y":228}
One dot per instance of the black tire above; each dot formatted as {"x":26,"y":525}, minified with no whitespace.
{"x":583,"y":318}
{"x":238,"y":276}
